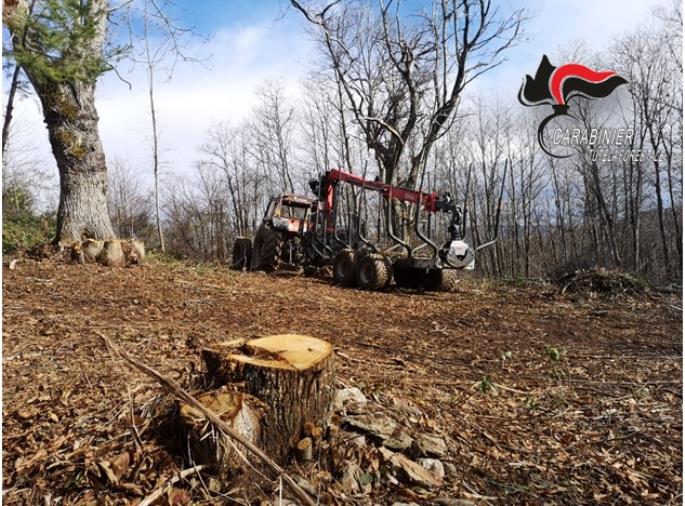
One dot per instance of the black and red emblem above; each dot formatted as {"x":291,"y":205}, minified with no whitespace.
{"x":557,"y":85}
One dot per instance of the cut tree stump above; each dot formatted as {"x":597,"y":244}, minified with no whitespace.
{"x":134,"y":251}
{"x":304,"y":450}
{"x":112,"y":253}
{"x":291,"y":374}
{"x":219,"y":452}
{"x":91,"y":250}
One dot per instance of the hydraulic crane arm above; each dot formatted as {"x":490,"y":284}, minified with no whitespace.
{"x":429,"y":200}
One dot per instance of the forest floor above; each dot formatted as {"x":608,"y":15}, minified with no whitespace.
{"x":541,"y":397}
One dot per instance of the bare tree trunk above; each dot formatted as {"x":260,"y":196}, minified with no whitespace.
{"x":343,"y":126}
{"x":514,"y":225}
{"x":660,"y":214}
{"x":674,"y":212}
{"x":155,"y":154}
{"x":72,"y":122}
{"x":10,"y":106}
{"x":560,"y":213}
{"x":13,"y":88}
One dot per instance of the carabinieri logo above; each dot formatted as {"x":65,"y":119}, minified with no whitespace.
{"x":555,"y":86}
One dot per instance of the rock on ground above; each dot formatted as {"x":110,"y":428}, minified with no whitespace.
{"x":427,"y":445}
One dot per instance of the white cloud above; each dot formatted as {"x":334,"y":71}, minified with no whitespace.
{"x":560,"y":24}
{"x":222,"y":89}
{"x":242,"y":57}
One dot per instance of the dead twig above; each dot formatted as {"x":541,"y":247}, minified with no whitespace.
{"x":159,"y":492}
{"x":176,"y":390}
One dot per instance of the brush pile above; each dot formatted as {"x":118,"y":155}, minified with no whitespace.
{"x":601,"y":281}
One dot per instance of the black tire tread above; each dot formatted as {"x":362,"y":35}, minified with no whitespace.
{"x":345,"y":267}
{"x":443,"y":280}
{"x":267,"y":250}
{"x":241,"y":257}
{"x":379,"y":278}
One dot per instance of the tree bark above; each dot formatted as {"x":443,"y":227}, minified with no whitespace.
{"x":10,"y":106}
{"x":13,"y":89}
{"x":72,"y":123}
{"x":241,"y":412}
{"x":155,"y":153}
{"x":291,"y":374}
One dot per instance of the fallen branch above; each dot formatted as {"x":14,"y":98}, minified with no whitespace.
{"x":159,"y":492}
{"x":625,"y":357}
{"x":509,"y":389}
{"x":175,"y":389}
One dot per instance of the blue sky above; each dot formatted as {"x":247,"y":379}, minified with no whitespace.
{"x":553,"y":24}
{"x":212,"y":15}
{"x":255,"y":40}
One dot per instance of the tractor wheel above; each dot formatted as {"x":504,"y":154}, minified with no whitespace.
{"x":388,"y":267}
{"x":406,"y":277}
{"x":450,"y":280}
{"x":444,"y":280}
{"x":267,"y":249}
{"x":372,"y":272}
{"x":345,"y":268}
{"x":242,"y":254}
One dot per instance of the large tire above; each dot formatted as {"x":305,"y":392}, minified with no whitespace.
{"x":373,"y":272}
{"x":267,"y":249}
{"x":443,"y":280}
{"x":242,"y":254}
{"x":450,"y":280}
{"x":407,"y":277}
{"x":345,"y":268}
{"x":388,"y":267}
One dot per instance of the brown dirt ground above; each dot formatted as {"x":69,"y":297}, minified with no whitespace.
{"x":543,"y":398}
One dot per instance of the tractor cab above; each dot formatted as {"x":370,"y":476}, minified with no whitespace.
{"x":289,"y":213}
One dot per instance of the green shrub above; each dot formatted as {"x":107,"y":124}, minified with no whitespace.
{"x":24,"y":231}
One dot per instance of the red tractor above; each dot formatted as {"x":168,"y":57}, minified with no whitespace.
{"x":368,"y":243}
{"x":278,"y":241}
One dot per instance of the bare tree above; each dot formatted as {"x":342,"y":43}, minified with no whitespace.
{"x":273,"y":129}
{"x":656,"y":93}
{"x":159,"y":44}
{"x":129,"y":206}
{"x":547,"y":214}
{"x":27,"y":184}
{"x":403,"y":75}
{"x":63,"y":48}
{"x":226,"y":151}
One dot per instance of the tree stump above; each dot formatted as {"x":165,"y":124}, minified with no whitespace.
{"x":112,"y":253}
{"x":206,"y":446}
{"x":134,"y":251}
{"x":91,"y":250}
{"x":291,"y":374}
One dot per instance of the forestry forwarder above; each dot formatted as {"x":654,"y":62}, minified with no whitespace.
{"x":297,"y":231}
